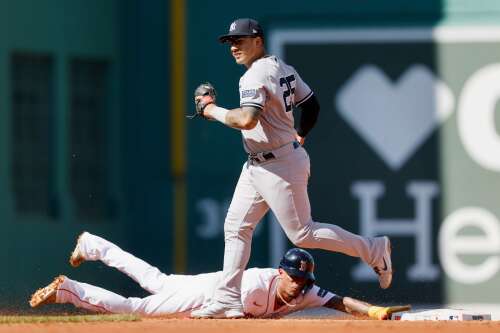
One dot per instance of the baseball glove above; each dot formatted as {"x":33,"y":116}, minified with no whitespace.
{"x":204,"y":95}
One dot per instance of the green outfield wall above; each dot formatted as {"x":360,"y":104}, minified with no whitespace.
{"x":92,"y":137}
{"x":83,"y":138}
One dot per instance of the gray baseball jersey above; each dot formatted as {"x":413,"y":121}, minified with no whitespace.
{"x":275,"y":87}
{"x":278,"y":183}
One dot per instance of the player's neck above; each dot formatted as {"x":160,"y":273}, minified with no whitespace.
{"x":260,"y":54}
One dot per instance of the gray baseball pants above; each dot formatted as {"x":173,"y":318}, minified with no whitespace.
{"x":279,"y":184}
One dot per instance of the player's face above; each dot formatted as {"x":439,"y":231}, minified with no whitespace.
{"x":290,"y":287}
{"x":246,"y":50}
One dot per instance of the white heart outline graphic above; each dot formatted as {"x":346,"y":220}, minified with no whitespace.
{"x":394,"y":118}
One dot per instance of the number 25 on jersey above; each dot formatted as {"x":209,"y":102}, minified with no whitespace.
{"x":288,"y":91}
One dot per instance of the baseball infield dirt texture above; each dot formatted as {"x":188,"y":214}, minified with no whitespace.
{"x":166,"y":325}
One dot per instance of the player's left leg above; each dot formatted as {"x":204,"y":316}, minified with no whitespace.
{"x":91,"y":247}
{"x":246,"y":210}
{"x":283,"y":184}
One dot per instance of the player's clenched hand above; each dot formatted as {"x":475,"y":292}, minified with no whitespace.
{"x":300,"y":139}
{"x":384,"y":313}
{"x":204,"y":95}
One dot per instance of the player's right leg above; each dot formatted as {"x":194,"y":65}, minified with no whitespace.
{"x":86,"y":296}
{"x":91,"y":248}
{"x":246,"y":210}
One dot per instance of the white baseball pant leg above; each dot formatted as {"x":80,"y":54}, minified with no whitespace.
{"x":172,"y":294}
{"x":148,"y":277}
{"x":245,"y":211}
{"x":87,"y":296}
{"x":188,"y":294}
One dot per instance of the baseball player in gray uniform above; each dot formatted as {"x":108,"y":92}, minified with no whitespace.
{"x":266,"y":292}
{"x":275,"y":176}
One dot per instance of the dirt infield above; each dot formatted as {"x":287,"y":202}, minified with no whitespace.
{"x":259,"y":326}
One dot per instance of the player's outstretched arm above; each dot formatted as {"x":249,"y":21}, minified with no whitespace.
{"x":363,"y":309}
{"x":244,"y":118}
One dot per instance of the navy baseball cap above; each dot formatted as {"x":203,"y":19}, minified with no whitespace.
{"x":243,"y":27}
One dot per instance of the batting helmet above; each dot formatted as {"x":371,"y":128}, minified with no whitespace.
{"x":299,"y":263}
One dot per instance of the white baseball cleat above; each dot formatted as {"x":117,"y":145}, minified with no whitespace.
{"x":46,"y":295}
{"x":218,"y":311}
{"x":383,"y":267}
{"x":77,"y":258}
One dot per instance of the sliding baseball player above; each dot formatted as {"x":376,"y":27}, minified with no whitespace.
{"x":266,"y":292}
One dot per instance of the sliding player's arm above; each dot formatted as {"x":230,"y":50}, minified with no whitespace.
{"x":363,"y":309}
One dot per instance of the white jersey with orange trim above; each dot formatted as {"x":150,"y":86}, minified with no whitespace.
{"x":174,"y":295}
{"x":258,"y":295}
{"x":276,"y":88}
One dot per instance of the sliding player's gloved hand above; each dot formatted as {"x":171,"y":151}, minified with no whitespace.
{"x":204,"y":95}
{"x":384,"y":313}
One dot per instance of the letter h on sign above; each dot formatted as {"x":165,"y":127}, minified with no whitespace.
{"x":420,"y":227}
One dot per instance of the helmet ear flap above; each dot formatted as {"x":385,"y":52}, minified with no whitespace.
{"x":307,"y":287}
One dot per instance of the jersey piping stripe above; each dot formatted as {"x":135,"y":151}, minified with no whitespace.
{"x":304,"y":99}
{"x":260,"y":106}
{"x":83,"y":301}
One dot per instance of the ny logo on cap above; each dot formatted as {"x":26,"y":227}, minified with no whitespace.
{"x":232,"y":27}
{"x":303,"y":266}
